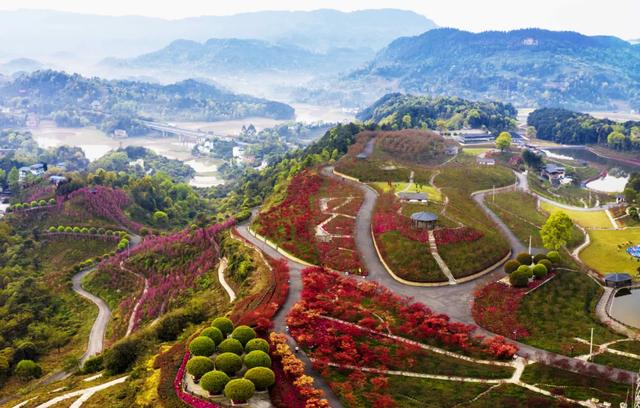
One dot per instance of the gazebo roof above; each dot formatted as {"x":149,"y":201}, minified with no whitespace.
{"x":424,"y":216}
{"x":617,"y":277}
{"x":413,"y":196}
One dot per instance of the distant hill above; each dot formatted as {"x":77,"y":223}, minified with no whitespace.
{"x":217,"y":56}
{"x":73,"y":100}
{"x":529,"y":67}
{"x":20,"y":65}
{"x":51,"y":33}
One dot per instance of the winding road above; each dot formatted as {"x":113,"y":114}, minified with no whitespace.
{"x":99,"y":328}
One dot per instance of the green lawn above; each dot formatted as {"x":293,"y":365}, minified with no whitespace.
{"x":575,"y":386}
{"x":511,"y":395}
{"x":561,"y":310}
{"x":409,"y":259}
{"x":628,"y":346}
{"x":587,"y":219}
{"x":433,"y":193}
{"x":475,"y":151}
{"x":614,"y":244}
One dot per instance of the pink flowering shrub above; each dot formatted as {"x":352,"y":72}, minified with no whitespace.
{"x":106,"y":202}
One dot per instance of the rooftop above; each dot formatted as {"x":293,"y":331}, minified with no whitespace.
{"x":424,"y":216}
{"x":552,"y":168}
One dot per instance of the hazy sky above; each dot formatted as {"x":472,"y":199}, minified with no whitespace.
{"x":616,"y":17}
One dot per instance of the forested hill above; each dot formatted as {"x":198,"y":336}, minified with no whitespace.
{"x":398,"y":111}
{"x":73,"y":100}
{"x":529,"y":67}
{"x":219,"y":56}
{"x":564,"y":126}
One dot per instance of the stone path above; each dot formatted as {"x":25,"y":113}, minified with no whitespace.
{"x":83,"y":394}
{"x":324,"y":208}
{"x":433,"y":248}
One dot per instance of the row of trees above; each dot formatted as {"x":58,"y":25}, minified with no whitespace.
{"x":568,"y":127}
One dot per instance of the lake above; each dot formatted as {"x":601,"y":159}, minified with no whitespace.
{"x":626,"y":307}
{"x":583,"y":154}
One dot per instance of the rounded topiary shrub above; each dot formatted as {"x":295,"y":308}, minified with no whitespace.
{"x":523,"y":269}
{"x":554,"y":257}
{"x":547,"y":263}
{"x":256,"y":344}
{"x":539,"y":271}
{"x":214,"y":334}
{"x":52,"y":229}
{"x":539,"y":257}
{"x":524,"y":258}
{"x":231,"y":346}
{"x":239,"y":390}
{"x":202,"y":346}
{"x":229,"y":363}
{"x":519,"y":279}
{"x":27,"y":369}
{"x":214,"y":381}
{"x":199,"y":366}
{"x":511,"y":265}
{"x":225,"y":325}
{"x":92,"y":365}
{"x":257,"y":358}
{"x":261,"y":377}
{"x":243,"y":334}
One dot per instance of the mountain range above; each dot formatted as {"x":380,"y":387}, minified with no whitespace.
{"x":529,"y":67}
{"x":63,"y":35}
{"x":220,"y":56}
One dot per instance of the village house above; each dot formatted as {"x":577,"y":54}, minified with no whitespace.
{"x":36,"y":170}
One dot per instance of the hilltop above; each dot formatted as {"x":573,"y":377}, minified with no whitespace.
{"x":529,"y":67}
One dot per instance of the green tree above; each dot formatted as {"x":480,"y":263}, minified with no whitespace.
{"x":406,"y":121}
{"x":556,"y":231}
{"x":503,"y":141}
{"x":616,"y":140}
{"x":160,"y":218}
{"x":13,"y":179}
{"x":27,"y":369}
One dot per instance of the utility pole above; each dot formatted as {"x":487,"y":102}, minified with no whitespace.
{"x":494,"y":193}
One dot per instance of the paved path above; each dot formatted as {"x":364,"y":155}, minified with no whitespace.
{"x":279,"y":320}
{"x":96,"y":336}
{"x":222,"y":266}
{"x":83,"y":394}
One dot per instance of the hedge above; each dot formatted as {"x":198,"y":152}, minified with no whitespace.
{"x":214,"y":381}
{"x":261,"y":377}
{"x":256,"y":344}
{"x":199,"y":366}
{"x":243,"y":334}
{"x":224,"y":324}
{"x":539,"y":271}
{"x":524,"y":258}
{"x":231,"y":346}
{"x":511,"y":265}
{"x":214,"y":334}
{"x":229,"y":363}
{"x":202,"y":346}
{"x":257,"y":358}
{"x":239,"y":390}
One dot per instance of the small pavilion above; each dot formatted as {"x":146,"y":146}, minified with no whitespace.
{"x":618,"y":280}
{"x":413,"y":197}
{"x":424,"y":219}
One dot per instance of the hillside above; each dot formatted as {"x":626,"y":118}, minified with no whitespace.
{"x":128,"y":36}
{"x":74,"y":100}
{"x":216,"y":56}
{"x":529,"y":67}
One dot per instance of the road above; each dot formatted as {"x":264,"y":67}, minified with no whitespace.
{"x":95,"y":343}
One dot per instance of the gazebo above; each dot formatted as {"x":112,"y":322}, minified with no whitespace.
{"x":424,"y":219}
{"x":618,"y":280}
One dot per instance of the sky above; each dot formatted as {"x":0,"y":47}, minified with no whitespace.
{"x":613,"y":17}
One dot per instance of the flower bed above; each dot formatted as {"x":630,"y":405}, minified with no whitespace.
{"x":374,"y":306}
{"x":293,"y":389}
{"x":258,"y":309}
{"x":496,"y":306}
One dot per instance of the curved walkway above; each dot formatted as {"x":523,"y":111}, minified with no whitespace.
{"x":222,"y":266}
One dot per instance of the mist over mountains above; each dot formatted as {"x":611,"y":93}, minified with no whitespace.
{"x":59,"y":35}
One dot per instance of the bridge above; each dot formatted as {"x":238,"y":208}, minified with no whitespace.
{"x":184,"y":135}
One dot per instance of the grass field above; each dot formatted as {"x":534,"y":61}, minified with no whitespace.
{"x":561,"y":310}
{"x":628,"y":346}
{"x":576,"y":386}
{"x":587,"y":219}
{"x":433,"y":193}
{"x":615,"y":360}
{"x":614,"y":244}
{"x":409,"y":259}
{"x":475,"y":151}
